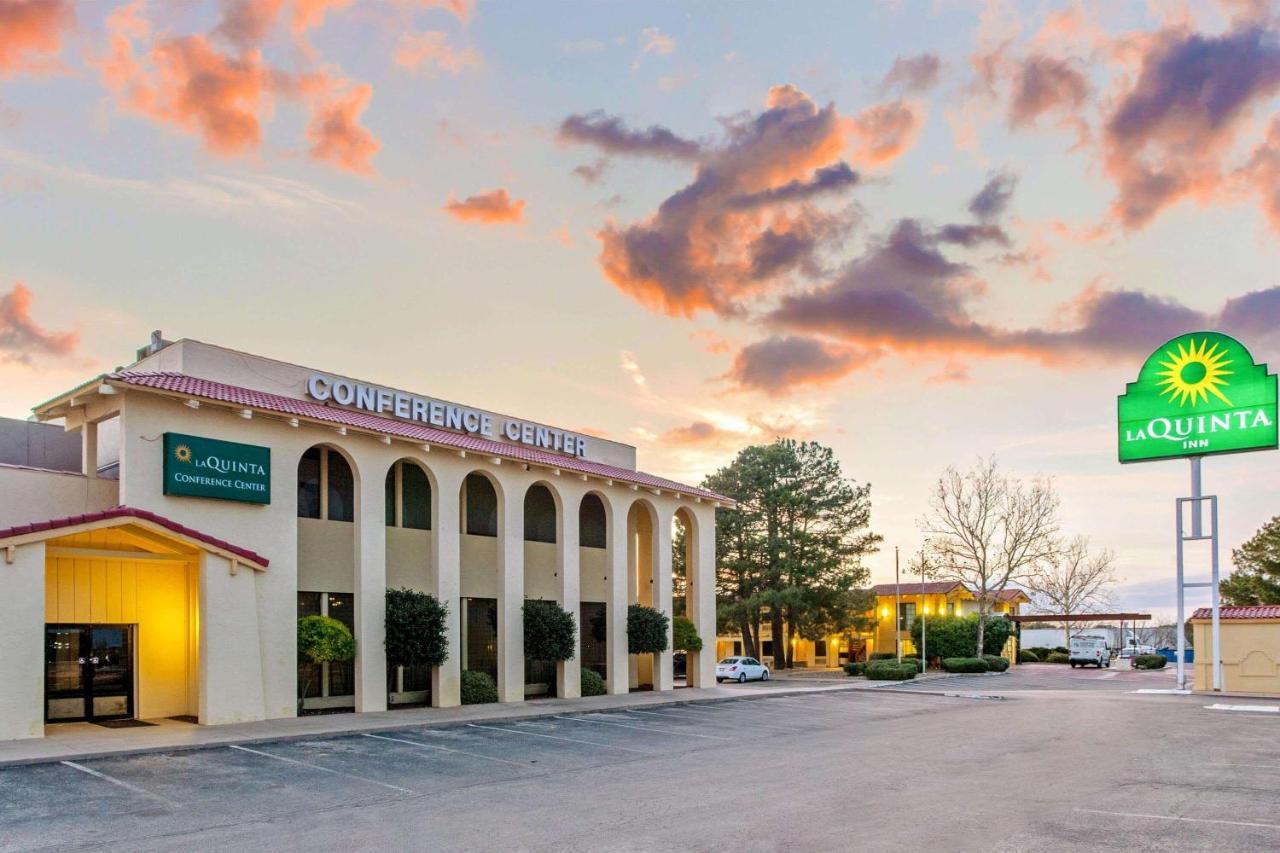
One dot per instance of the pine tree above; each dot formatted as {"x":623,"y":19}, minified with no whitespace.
{"x":1256,"y":579}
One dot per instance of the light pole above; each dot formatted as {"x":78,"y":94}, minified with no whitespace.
{"x":924,"y":623}
{"x":897,"y":605}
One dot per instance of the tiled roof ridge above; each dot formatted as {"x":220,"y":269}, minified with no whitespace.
{"x":122,"y":511}
{"x":222,"y":392}
{"x":1240,"y":611}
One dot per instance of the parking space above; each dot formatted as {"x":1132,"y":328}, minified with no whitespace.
{"x":677,"y":776}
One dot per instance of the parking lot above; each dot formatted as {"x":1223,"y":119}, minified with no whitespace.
{"x":1084,"y":769}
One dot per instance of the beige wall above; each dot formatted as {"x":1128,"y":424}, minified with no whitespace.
{"x":22,"y":641}
{"x":409,"y":559}
{"x":1250,"y":655}
{"x":27,"y":495}
{"x":326,"y":555}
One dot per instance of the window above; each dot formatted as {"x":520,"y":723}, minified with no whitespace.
{"x":951,"y":608}
{"x":342,"y":488}
{"x":539,"y":515}
{"x":309,"y":484}
{"x":390,"y":496}
{"x":906,"y":616}
{"x":342,"y":676}
{"x":766,"y":648}
{"x":308,"y":604}
{"x":820,"y":648}
{"x":591,"y":523}
{"x":482,"y":506}
{"x":737,"y":647}
{"x":415,"y":491}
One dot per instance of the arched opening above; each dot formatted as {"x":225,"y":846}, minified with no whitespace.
{"x":684,"y":542}
{"x":410,"y":515}
{"x":593,"y":578}
{"x":642,"y":574}
{"x":541,"y":574}
{"x":326,"y":567}
{"x":482,"y":524}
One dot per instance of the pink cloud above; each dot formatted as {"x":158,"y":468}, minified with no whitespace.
{"x":884,"y":132}
{"x":492,"y":208}
{"x":31,"y":34}
{"x":433,"y":50}
{"x":336,"y":133}
{"x":21,"y":338}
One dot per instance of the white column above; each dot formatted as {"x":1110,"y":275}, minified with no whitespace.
{"x":619,"y":668}
{"x":511,"y":592}
{"x":229,"y":683}
{"x":701,"y":573}
{"x":371,"y":589}
{"x":662,"y":678}
{"x":446,"y":544}
{"x":22,"y":639}
{"x":89,"y":449}
{"x":569,"y":672}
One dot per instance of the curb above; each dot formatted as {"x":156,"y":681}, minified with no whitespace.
{"x":396,"y":726}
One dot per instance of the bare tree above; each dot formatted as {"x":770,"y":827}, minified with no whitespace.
{"x":984,"y":530}
{"x":1074,"y":580}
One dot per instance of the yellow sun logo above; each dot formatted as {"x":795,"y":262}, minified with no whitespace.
{"x":1193,"y":374}
{"x":182,"y":453}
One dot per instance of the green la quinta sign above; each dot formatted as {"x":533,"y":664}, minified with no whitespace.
{"x":1198,"y":394}
{"x":200,"y":467}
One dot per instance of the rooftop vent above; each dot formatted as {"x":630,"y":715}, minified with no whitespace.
{"x":157,"y":343}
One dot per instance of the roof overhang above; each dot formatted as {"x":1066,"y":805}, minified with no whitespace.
{"x":1081,"y":617}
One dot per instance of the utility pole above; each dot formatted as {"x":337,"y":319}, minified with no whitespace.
{"x":924,"y":623}
{"x":897,"y":605}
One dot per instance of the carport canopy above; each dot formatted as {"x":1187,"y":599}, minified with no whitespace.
{"x":1081,"y":617}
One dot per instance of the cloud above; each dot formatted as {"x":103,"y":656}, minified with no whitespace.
{"x":491,"y":208}
{"x":1169,"y":134}
{"x":21,"y":338}
{"x":884,"y":132}
{"x":591,"y":172}
{"x":611,"y":135}
{"x":31,"y":34}
{"x":654,"y":40}
{"x":336,"y":134}
{"x":310,"y":14}
{"x":1043,"y":85}
{"x":461,"y":9}
{"x":245,"y":23}
{"x":994,"y":197}
{"x":778,"y":365}
{"x":912,"y":74}
{"x":1262,"y":172}
{"x":432,"y":48}
{"x":747,"y":221}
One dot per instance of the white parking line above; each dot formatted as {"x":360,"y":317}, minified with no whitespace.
{"x":1262,"y":766}
{"x":120,"y":782}
{"x":558,"y":737}
{"x":1184,"y":819}
{"x":322,"y":769}
{"x":641,"y":728}
{"x":450,"y":749}
{"x":1262,"y":709}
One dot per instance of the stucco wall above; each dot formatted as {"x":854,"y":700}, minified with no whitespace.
{"x":1250,"y":656}
{"x":27,"y":495}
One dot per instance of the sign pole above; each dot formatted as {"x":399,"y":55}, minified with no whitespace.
{"x":897,"y":606}
{"x":924,"y":623}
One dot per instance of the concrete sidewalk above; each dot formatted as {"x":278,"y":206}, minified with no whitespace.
{"x":79,"y":741}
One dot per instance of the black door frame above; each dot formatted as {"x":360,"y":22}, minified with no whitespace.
{"x":86,"y":692}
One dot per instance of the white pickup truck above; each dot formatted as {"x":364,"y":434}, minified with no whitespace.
{"x":1089,"y":650}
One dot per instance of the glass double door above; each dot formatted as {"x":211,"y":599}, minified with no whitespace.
{"x":88,"y":672}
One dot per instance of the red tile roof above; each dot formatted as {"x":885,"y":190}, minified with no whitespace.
{"x":1010,"y":594}
{"x":1252,"y":611}
{"x":56,"y":524}
{"x":914,"y":587}
{"x":180,"y":383}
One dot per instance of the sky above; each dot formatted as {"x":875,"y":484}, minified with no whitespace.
{"x":920,"y":232}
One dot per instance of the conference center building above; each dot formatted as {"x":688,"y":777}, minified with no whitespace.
{"x":163,"y":528}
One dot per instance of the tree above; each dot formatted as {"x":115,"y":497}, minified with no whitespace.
{"x":415,"y":629}
{"x":549,"y":631}
{"x":1073,"y":581}
{"x":684,"y":636}
{"x":323,"y":639}
{"x":985,"y":529}
{"x":792,"y":547}
{"x":1256,"y":579}
{"x":646,"y":630}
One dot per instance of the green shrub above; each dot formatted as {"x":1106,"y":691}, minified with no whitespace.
{"x":957,"y":636}
{"x":1028,"y":656}
{"x":856,"y":667}
{"x":592,"y":683}
{"x":890,"y":670}
{"x":1062,"y":650}
{"x":996,"y":663}
{"x":646,"y":630}
{"x":684,"y":636}
{"x":478,"y":688}
{"x":415,"y":629}
{"x":549,"y":631}
{"x":914,"y":661}
{"x":884,"y":656}
{"x":1058,"y":657}
{"x":323,"y":639}
{"x":1150,"y":661}
{"x":1041,"y":652}
{"x":965,"y":664}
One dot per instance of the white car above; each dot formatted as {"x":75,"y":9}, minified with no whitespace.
{"x":740,"y":670}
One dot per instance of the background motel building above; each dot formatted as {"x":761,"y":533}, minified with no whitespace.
{"x":164,"y":528}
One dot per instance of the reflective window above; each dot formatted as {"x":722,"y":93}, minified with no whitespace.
{"x":539,"y":515}
{"x":482,"y":506}
{"x":342,"y":488}
{"x":591,"y":523}
{"x":416,"y":490}
{"x":309,"y":484}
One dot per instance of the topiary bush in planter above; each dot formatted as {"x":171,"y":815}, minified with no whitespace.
{"x":995,"y":663}
{"x":1028,"y":656}
{"x":549,"y":631}
{"x":684,"y":635}
{"x":323,"y":639}
{"x":965,"y":665}
{"x":478,"y":688}
{"x":890,"y":670}
{"x":646,"y":630}
{"x":1057,"y":657}
{"x":1150,"y":661}
{"x":415,"y":629}
{"x":592,"y":683}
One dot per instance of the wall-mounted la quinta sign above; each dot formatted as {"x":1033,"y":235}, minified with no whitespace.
{"x":1199,"y":394}
{"x":410,"y":407}
{"x":208,"y":468}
